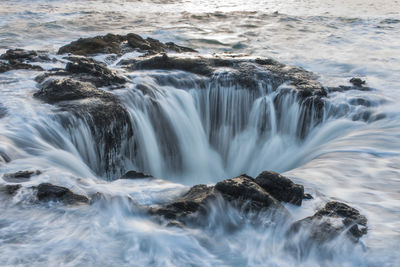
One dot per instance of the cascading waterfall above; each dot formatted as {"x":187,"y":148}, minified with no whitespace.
{"x":183,"y":125}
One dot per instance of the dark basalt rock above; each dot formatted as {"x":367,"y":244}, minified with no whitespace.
{"x":49,"y":192}
{"x":343,"y":88}
{"x":241,"y":192}
{"x":247,"y":72}
{"x":280,"y":187}
{"x":18,"y":60}
{"x":135,"y":175}
{"x":20,"y":176}
{"x":246,"y":188}
{"x":13,"y":65}
{"x":95,"y":72}
{"x":357,"y":82}
{"x":56,"y":90}
{"x":332,"y":220}
{"x":119,"y":44}
{"x":21,"y":55}
{"x":86,"y":70}
{"x":10,"y":189}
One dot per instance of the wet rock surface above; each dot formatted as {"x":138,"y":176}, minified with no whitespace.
{"x":119,"y":44}
{"x":280,"y":187}
{"x":331,"y":221}
{"x":57,"y":90}
{"x":49,"y":192}
{"x":107,"y":119}
{"x":356,"y":84}
{"x":264,"y":193}
{"x":242,"y":192}
{"x":246,"y":71}
{"x":18,"y":59}
{"x":86,"y":70}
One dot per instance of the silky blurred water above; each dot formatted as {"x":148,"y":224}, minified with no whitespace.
{"x":351,"y":161}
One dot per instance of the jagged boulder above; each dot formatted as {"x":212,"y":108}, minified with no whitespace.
{"x":13,"y":65}
{"x":332,"y":220}
{"x":241,"y":192}
{"x":280,"y":187}
{"x":119,"y":44}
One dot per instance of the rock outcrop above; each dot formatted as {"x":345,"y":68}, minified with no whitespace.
{"x":107,"y":119}
{"x":49,"y":192}
{"x":17,"y":59}
{"x":86,"y":70}
{"x":243,"y":192}
{"x":332,"y":220}
{"x":119,"y":44}
{"x":246,"y":72}
{"x":281,"y":188}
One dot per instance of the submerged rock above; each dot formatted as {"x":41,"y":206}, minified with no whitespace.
{"x":332,"y":220}
{"x":135,"y":175}
{"x":3,"y":111}
{"x":119,"y":44}
{"x":21,"y":55}
{"x":357,"y":84}
{"x":13,"y":65}
{"x":49,"y":192}
{"x":20,"y":176}
{"x":10,"y":189}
